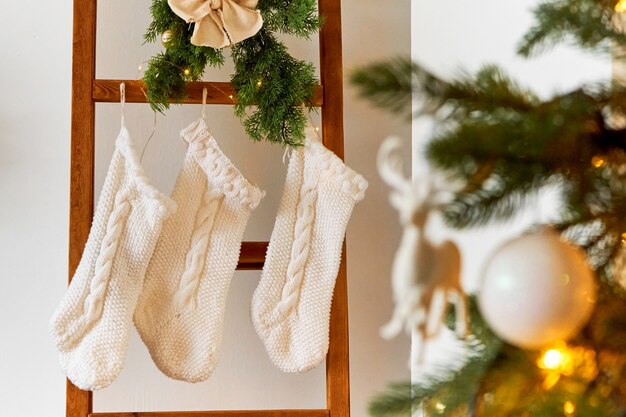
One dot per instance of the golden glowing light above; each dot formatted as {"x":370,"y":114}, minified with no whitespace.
{"x":552,"y":359}
{"x":551,"y":380}
{"x":259,"y":83}
{"x":620,"y":7}
{"x":230,"y":96}
{"x":598,"y":161}
{"x":624,"y":238}
{"x":562,"y":360}
{"x":186,"y":71}
{"x":569,"y":408}
{"x":440,"y":407}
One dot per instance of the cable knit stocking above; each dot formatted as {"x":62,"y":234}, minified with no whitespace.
{"x":91,"y":325}
{"x":291,"y":305}
{"x":181,"y":309}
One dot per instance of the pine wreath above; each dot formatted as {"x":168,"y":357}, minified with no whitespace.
{"x":266,"y":75}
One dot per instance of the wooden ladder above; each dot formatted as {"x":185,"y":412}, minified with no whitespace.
{"x":87,"y":91}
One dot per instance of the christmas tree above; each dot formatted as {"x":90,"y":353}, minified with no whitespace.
{"x":505,"y":144}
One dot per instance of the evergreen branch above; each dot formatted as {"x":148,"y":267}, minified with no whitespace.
{"x":268,"y":77}
{"x":585,"y":23}
{"x":297,"y":18}
{"x":265,"y":76}
{"x":453,"y":388}
{"x":395,"y":83}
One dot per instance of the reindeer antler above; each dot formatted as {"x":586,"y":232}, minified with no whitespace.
{"x":390,"y":164}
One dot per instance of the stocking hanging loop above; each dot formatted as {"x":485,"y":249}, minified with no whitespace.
{"x":205,"y":93}
{"x":122,"y":100}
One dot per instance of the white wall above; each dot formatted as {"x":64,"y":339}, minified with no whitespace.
{"x":454,"y":34}
{"x":34,"y":186}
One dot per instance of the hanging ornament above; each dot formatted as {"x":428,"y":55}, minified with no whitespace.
{"x":536,"y":290}
{"x":166,"y":37}
{"x":426,"y":276}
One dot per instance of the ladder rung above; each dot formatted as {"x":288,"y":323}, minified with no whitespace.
{"x":108,"y":91}
{"x":225,"y":413}
{"x":252,"y":255}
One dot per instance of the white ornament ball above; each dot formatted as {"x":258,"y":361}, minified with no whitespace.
{"x":536,"y":290}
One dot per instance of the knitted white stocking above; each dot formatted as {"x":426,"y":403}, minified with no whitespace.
{"x":91,"y":325}
{"x":181,"y":309}
{"x":291,"y":305}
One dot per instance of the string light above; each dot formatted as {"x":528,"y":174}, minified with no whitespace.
{"x":624,"y":238}
{"x":598,"y":161}
{"x":562,"y":360}
{"x":552,"y":360}
{"x":186,"y":71}
{"x":620,"y":7}
{"x":259,"y":83}
{"x":440,"y":407}
{"x":569,"y":408}
{"x":230,"y":96}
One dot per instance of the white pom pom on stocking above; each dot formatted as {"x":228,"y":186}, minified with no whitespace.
{"x":181,"y":309}
{"x":91,"y":325}
{"x":291,"y":305}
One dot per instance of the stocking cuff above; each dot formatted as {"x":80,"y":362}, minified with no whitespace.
{"x":125,"y":146}
{"x":333,"y":169}
{"x":219,"y":169}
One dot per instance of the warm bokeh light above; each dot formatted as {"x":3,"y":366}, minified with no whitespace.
{"x":569,"y":408}
{"x":598,"y":161}
{"x":552,"y":359}
{"x":620,"y":7}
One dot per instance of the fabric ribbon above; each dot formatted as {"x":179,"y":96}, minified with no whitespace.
{"x":219,"y":23}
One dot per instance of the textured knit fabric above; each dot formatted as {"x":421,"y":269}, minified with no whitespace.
{"x":91,"y":325}
{"x":291,"y":305}
{"x":181,"y":309}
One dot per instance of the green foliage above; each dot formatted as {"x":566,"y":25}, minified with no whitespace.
{"x":507,"y":144}
{"x":291,"y":17}
{"x":587,"y":24}
{"x":266,"y":76}
{"x":452,"y":388}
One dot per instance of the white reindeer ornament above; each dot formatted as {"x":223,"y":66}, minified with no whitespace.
{"x":425,"y":276}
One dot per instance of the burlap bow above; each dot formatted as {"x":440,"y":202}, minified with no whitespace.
{"x":219,"y":23}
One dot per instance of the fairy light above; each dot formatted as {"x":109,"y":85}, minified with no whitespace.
{"x":186,"y":71}
{"x":552,"y":360}
{"x":230,"y":96}
{"x":440,"y":407}
{"x":620,"y":7}
{"x":569,"y":408}
{"x":259,"y":83}
{"x":598,"y":161}
{"x":624,"y":238}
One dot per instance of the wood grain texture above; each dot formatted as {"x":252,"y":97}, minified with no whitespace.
{"x":331,"y":71}
{"x":252,"y":255}
{"x":108,"y":91}
{"x":227,"y":413}
{"x":78,"y":402}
